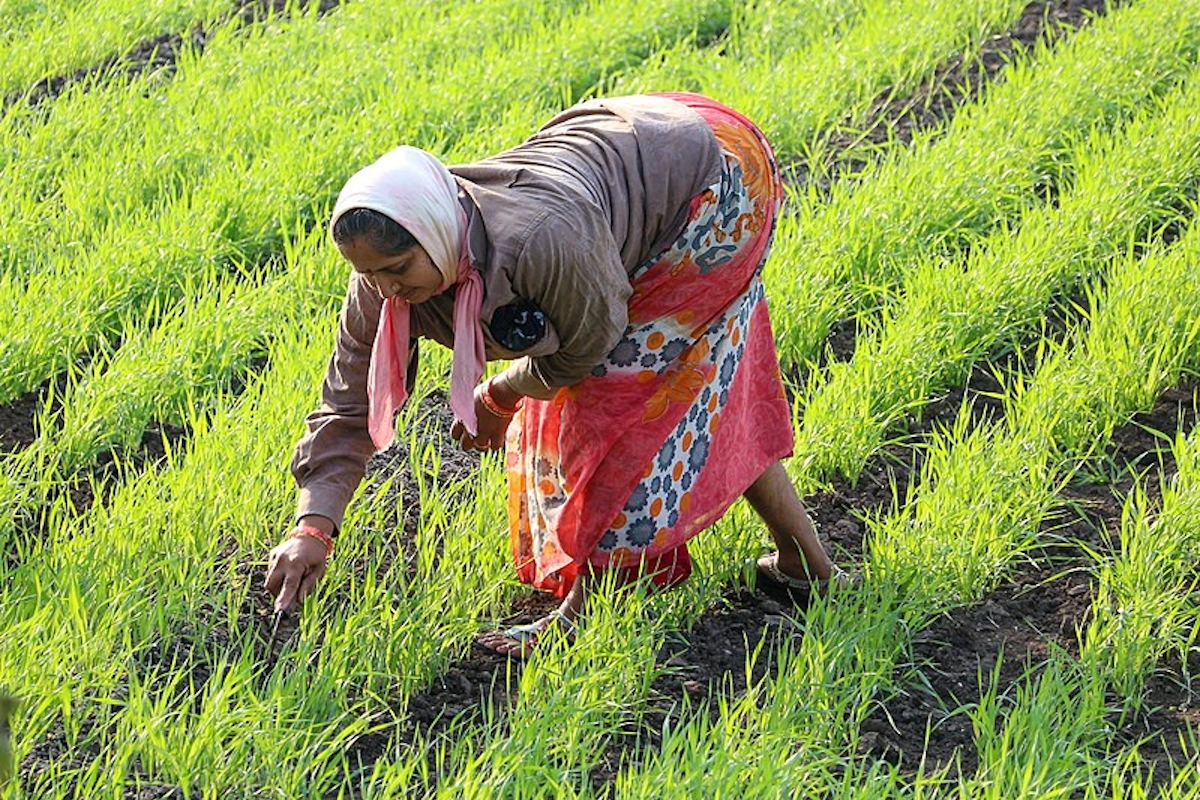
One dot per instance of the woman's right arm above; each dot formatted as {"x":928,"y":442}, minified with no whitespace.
{"x":330,"y":460}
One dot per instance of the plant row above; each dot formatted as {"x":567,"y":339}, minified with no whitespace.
{"x":950,"y":315}
{"x":214,"y":165}
{"x":165,"y":374}
{"x":1056,"y":727}
{"x":997,"y":158}
{"x":799,"y":72}
{"x":45,"y":41}
{"x":142,"y":300}
{"x":279,"y":155}
{"x":1142,"y":338}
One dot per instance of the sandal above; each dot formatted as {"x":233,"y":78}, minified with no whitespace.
{"x":524,"y":638}
{"x":774,"y":582}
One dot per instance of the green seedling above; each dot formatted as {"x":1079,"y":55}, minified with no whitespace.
{"x":129,"y":617}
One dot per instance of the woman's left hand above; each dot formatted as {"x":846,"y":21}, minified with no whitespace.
{"x":490,"y":431}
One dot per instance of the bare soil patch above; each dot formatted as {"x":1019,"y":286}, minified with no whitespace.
{"x":392,"y":482}
{"x":18,"y":418}
{"x":1169,"y":716}
{"x":60,"y":750}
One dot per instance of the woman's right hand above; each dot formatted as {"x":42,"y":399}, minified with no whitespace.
{"x":293,"y":568}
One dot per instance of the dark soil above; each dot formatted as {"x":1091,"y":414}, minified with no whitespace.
{"x":392,"y":482}
{"x":1038,"y":608}
{"x":58,"y":750}
{"x":1170,"y":714}
{"x":97,"y":482}
{"x":149,"y":453}
{"x":394,"y":547}
{"x":159,"y":53}
{"x":94,"y":482}
{"x":18,"y":428}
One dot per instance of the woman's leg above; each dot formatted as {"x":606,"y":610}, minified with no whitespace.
{"x":801,"y":554}
{"x":772,"y":495}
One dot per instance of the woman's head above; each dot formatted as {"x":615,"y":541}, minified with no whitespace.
{"x":404,"y":207}
{"x":387,"y":255}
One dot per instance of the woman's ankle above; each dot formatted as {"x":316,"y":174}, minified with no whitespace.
{"x":792,"y":565}
{"x":572,"y":604}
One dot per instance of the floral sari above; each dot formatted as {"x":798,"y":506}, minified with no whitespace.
{"x":619,"y":470}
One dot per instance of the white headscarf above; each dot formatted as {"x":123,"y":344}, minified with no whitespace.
{"x":411,"y":187}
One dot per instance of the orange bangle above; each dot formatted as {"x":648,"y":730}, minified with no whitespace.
{"x":310,"y":532}
{"x":489,"y":402}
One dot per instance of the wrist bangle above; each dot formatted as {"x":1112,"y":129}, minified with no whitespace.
{"x":310,"y":532}
{"x":489,"y":402}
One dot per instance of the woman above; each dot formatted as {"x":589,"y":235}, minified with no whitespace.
{"x":614,"y":260}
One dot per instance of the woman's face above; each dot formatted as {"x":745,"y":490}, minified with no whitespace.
{"x":411,"y":275}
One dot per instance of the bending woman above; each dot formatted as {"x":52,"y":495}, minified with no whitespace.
{"x":614,"y":260}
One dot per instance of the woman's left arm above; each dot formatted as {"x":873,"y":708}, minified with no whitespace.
{"x":571,"y":268}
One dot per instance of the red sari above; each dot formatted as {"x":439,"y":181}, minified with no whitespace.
{"x":622,"y":468}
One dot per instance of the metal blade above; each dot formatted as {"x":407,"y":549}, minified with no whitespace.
{"x":274,"y":631}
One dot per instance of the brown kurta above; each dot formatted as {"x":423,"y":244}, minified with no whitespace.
{"x":560,"y":221}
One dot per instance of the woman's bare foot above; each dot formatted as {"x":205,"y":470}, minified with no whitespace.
{"x":521,"y":640}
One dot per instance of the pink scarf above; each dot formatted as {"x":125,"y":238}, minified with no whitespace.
{"x":414,"y":189}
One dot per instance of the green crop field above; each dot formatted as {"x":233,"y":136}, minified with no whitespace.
{"x":984,"y":291}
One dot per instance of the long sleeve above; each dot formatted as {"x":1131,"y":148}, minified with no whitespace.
{"x":572,"y":269}
{"x":330,"y":460}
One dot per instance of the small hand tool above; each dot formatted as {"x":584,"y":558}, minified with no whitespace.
{"x":274,"y":631}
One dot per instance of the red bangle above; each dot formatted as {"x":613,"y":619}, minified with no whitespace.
{"x":489,"y":402}
{"x":310,"y":532}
